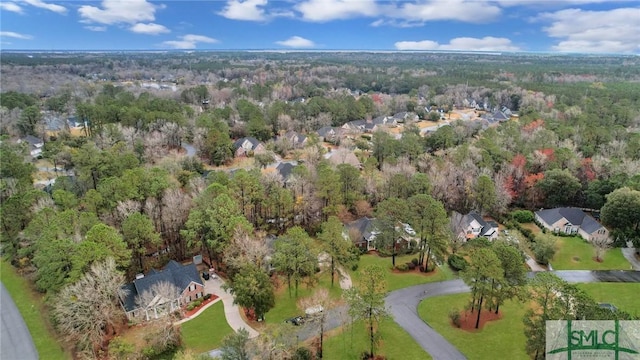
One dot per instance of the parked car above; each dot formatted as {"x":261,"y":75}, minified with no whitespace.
{"x":296,"y":320}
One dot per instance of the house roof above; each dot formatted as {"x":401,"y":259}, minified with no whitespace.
{"x":285,"y":169}
{"x":238,"y":143}
{"x":325,"y":130}
{"x":32,"y":140}
{"x":574,"y":216}
{"x":364,"y":226}
{"x":174,"y":273}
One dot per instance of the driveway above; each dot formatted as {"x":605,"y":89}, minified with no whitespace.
{"x":15,"y":339}
{"x":231,"y":310}
{"x":630,"y":254}
{"x":403,"y":304}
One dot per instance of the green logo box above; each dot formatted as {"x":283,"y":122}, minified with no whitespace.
{"x":592,"y":339}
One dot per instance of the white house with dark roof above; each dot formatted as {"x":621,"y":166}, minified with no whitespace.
{"x":571,"y":221}
{"x":185,"y":278}
{"x":35,"y":145}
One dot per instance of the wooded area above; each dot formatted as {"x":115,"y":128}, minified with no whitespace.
{"x":128,"y":196}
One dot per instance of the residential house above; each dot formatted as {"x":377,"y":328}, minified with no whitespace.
{"x":248,"y":146}
{"x":343,"y":156}
{"x":185,"y":279}
{"x":329,"y":134}
{"x":296,"y":140}
{"x":354,"y":127}
{"x":285,"y":169}
{"x":571,"y":221}
{"x":404,"y":116}
{"x":363,"y":232}
{"x":384,"y":121}
{"x":35,"y":145}
{"x":472,"y":225}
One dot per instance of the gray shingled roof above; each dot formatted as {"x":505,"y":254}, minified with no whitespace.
{"x":174,"y":273}
{"x":574,"y":216}
{"x":238,"y":143}
{"x":365,"y":226}
{"x":285,"y":169}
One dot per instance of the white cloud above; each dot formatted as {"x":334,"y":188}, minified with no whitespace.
{"x":96,"y":28}
{"x":249,"y":10}
{"x":609,"y":31}
{"x":555,"y":3}
{"x":15,"y":35}
{"x":149,"y":29}
{"x":48,"y":6}
{"x":119,"y":11}
{"x":327,"y":10}
{"x":487,"y":43}
{"x":417,"y":13}
{"x":189,"y":41}
{"x":9,"y":6}
{"x":297,"y":42}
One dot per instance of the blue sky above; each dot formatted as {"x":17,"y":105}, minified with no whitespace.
{"x":582,"y":26}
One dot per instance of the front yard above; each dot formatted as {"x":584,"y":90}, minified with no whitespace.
{"x":206,"y":331}
{"x":502,"y":338}
{"x":399,"y":280}
{"x":349,"y":342}
{"x":575,"y":253}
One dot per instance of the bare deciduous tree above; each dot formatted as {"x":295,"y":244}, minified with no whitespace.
{"x":88,"y":310}
{"x":315,"y":307}
{"x":245,"y":248}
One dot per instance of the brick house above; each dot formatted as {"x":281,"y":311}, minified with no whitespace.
{"x":187,"y":286}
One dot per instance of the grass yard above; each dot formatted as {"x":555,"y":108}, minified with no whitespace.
{"x":625,"y":296}
{"x":349,"y":342}
{"x":207,"y":330}
{"x":31,"y":308}
{"x":574,"y":253}
{"x":503,"y":338}
{"x":287,"y":307}
{"x":397,"y":280}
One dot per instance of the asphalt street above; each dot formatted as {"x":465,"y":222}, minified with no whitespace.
{"x":403,"y":305}
{"x":15,"y":339}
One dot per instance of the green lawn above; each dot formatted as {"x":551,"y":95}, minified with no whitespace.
{"x":502,"y":339}
{"x":207,"y":330}
{"x":31,"y":308}
{"x":575,"y":253}
{"x":396,"y":280}
{"x":286,"y":306}
{"x":624,"y":296}
{"x":353,"y":340}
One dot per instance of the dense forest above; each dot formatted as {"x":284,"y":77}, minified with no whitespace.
{"x":117,"y":128}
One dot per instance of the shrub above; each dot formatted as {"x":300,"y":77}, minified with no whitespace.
{"x":523,"y":216}
{"x":411,"y":266}
{"x":414,"y":261}
{"x":354,"y":267}
{"x":302,"y":353}
{"x":544,"y":249}
{"x":454,"y":316}
{"x":207,"y":296}
{"x":457,"y":262}
{"x":191,"y":306}
{"x":120,"y":349}
{"x":402,"y":267}
{"x":528,"y":234}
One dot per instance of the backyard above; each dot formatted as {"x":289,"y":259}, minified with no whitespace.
{"x":625,"y":296}
{"x":31,"y":307}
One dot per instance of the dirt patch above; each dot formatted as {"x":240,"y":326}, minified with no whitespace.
{"x":575,"y":259}
{"x":468,"y":319}
{"x":597,"y":260}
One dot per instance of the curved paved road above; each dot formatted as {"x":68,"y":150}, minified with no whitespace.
{"x":15,"y":339}
{"x":403,"y":306}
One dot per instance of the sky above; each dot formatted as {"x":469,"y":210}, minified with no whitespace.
{"x":557,"y":26}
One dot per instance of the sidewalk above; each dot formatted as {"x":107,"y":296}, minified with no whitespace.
{"x":231,"y":311}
